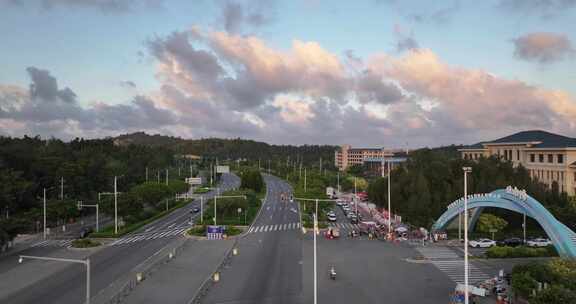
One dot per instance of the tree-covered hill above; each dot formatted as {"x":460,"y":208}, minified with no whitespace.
{"x":232,"y":148}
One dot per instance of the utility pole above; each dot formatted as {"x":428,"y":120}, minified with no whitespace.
{"x":268,"y":166}
{"x":158,"y":176}
{"x":320,"y":165}
{"x":338,"y":178}
{"x":300,"y":175}
{"x":146,"y":174}
{"x":166,"y":177}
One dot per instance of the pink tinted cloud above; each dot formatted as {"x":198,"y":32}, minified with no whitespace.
{"x":543,"y":47}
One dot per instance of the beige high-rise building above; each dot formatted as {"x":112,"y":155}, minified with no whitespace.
{"x":547,"y":156}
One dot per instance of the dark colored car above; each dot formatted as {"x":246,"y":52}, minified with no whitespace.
{"x":511,"y":242}
{"x":196,"y":210}
{"x":85,"y":232}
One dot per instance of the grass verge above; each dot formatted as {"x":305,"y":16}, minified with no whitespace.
{"x":108,"y":232}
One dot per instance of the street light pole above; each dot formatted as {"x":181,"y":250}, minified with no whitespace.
{"x":524,"y":227}
{"x":389,"y":203}
{"x":304,"y":179}
{"x":315,"y":264}
{"x":466,"y":171}
{"x":201,"y":209}
{"x":116,"y":204}
{"x":166,"y":177}
{"x":85,"y":262}
{"x":44,"y":213}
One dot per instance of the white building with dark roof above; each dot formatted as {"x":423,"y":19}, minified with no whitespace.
{"x":547,"y":156}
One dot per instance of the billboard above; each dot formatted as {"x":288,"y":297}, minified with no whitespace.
{"x":194,"y":180}
{"x":214,"y":232}
{"x":222,"y":169}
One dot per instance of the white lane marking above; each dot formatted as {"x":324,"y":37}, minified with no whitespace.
{"x":298,"y":225}
{"x":250,"y":230}
{"x":152,"y":227}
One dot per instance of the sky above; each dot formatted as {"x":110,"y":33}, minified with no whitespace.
{"x":378,"y":73}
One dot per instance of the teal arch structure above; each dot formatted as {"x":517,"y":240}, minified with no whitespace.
{"x":563,"y":239}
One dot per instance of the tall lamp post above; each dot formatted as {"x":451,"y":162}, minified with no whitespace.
{"x":44,"y":207}
{"x":315,"y":217}
{"x":115,"y":193}
{"x":466,"y":171}
{"x":85,"y":262}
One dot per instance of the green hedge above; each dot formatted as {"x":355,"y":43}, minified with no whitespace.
{"x":85,"y":243}
{"x":197,"y":231}
{"x":498,"y":252}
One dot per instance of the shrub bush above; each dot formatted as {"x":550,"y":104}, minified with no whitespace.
{"x":197,"y":231}
{"x":498,"y":252}
{"x":85,"y":243}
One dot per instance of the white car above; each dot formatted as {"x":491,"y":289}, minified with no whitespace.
{"x":482,"y":243}
{"x":539,"y":242}
{"x":332,"y":217}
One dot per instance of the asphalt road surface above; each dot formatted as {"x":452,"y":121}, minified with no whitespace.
{"x":67,"y":285}
{"x":268,"y":268}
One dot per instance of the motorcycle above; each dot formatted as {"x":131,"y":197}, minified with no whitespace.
{"x":332,"y":273}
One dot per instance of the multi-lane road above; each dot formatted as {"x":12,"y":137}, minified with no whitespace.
{"x":274,"y":264}
{"x":268,"y":268}
{"x":67,"y":283}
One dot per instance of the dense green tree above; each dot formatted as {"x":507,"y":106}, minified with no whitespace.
{"x":252,"y":179}
{"x":488,"y":223}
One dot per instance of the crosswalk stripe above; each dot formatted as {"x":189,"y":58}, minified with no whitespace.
{"x":250,"y":230}
{"x":298,"y":225}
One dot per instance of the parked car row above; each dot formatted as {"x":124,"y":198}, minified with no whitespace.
{"x":510,"y":242}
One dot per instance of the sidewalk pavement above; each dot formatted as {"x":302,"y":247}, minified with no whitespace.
{"x":178,"y":281}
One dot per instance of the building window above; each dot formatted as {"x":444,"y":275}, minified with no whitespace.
{"x":532,"y":159}
{"x":575,"y":176}
{"x":517,"y":154}
{"x":547,"y":174}
{"x":550,"y":158}
{"x":560,"y":158}
{"x":541,"y":158}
